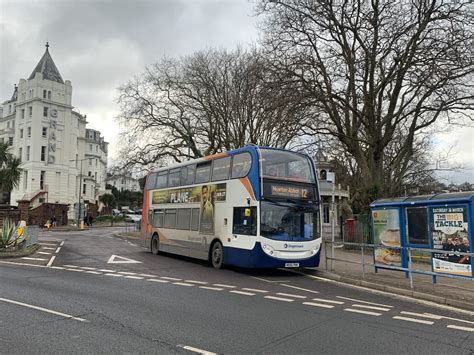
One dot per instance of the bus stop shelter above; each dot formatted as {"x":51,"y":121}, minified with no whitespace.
{"x":429,"y":223}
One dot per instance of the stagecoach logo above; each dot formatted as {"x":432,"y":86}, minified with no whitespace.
{"x":292,"y":246}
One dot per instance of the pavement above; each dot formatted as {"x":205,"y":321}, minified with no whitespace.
{"x":454,"y":292}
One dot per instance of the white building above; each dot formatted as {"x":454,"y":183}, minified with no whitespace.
{"x":52,"y":141}
{"x":124,"y":182}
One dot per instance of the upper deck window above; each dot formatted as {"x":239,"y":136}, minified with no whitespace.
{"x":161,"y":179}
{"x":150,"y":181}
{"x":285,"y":165}
{"x":221,"y":169}
{"x":241,"y":165}
{"x":203,"y":173}
{"x":174,"y":177}
{"x":187,"y":175}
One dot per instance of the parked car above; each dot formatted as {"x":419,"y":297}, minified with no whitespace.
{"x":133,"y":218}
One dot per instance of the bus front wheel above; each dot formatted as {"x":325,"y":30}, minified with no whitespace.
{"x":217,"y":255}
{"x":155,"y":244}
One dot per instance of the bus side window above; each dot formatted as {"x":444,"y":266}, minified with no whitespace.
{"x":245,"y":221}
{"x":221,"y":169}
{"x":173,"y":177}
{"x":170,"y":219}
{"x":187,"y":175}
{"x":157,"y":221}
{"x":161,"y":179}
{"x":195,"y":219}
{"x":150,"y":182}
{"x":203,"y":173}
{"x":241,"y":165}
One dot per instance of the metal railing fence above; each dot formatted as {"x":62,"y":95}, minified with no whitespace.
{"x":31,"y":235}
{"x":367,"y":247}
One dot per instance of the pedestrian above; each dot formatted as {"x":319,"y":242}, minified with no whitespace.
{"x":53,"y":221}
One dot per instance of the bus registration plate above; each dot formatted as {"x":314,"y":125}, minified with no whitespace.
{"x":292,"y":264}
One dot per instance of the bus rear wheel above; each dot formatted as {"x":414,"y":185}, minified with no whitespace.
{"x":217,"y":255}
{"x":155,"y":245}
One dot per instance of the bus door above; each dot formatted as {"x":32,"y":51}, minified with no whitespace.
{"x":244,"y":225}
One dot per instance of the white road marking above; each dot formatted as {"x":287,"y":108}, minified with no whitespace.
{"x":371,"y":307}
{"x":196,"y":282}
{"x":37,"y":259}
{"x":88,"y":268}
{"x":93,"y":272}
{"x":467,"y":329}
{"x":77,"y":270}
{"x":44,"y":253}
{"x":48,"y":244}
{"x":134,"y":277}
{"x":158,"y":280}
{"x":147,"y":275}
{"x":254,"y":290}
{"x":455,"y":319}
{"x":50,"y":262}
{"x":290,"y":295}
{"x":429,"y":316}
{"x":58,"y":267}
{"x":270,"y":281}
{"x":279,"y":299}
{"x":300,"y":288}
{"x":43,"y":309}
{"x":182,"y":284}
{"x":106,"y":270}
{"x":226,"y":286}
{"x":327,"y":301}
{"x":170,"y":278}
{"x":421,"y":321}
{"x":211,"y":288}
{"x":62,"y":243}
{"x":127,"y":273}
{"x":366,"y":302}
{"x":362,"y":312}
{"x":57,"y":250}
{"x":122,"y":260}
{"x":242,"y":293}
{"x":318,"y":305}
{"x":196,"y":350}
{"x":47,"y":248}
{"x":116,"y":275}
{"x":71,"y":265}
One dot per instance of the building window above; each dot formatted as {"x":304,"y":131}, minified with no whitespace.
{"x":90,"y":147}
{"x":44,"y":94}
{"x":20,"y":154}
{"x":22,"y":113}
{"x":43,"y":153}
{"x":21,"y":133}
{"x":49,"y":95}
{"x":90,"y":162}
{"x":326,"y":214}
{"x":8,"y":124}
{"x":45,"y":112}
{"x":25,"y":180}
{"x":95,"y":176}
{"x":89,"y":173}
{"x":42,"y":177}
{"x":77,"y":157}
{"x":97,"y":148}
{"x":96,"y":162}
{"x":29,"y":132}
{"x":30,"y":111}
{"x":10,"y":140}
{"x":45,"y":132}
{"x":84,"y":189}
{"x":28,"y":153}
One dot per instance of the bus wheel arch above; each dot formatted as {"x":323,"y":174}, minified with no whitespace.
{"x":216,"y":254}
{"x":155,"y":244}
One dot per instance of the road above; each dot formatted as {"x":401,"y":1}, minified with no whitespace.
{"x":92,"y":292}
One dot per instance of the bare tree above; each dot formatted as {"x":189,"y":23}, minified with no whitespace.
{"x":378,"y":74}
{"x":205,"y":103}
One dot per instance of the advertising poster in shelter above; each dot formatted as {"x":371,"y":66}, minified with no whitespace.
{"x":450,"y":233}
{"x":386,"y":224}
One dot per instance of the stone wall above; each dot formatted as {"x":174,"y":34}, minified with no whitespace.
{"x":40,"y":215}
{"x":8,"y":212}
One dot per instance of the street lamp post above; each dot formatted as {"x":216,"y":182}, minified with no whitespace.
{"x":80,"y":190}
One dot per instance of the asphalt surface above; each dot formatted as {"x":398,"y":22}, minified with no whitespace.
{"x":115,"y":297}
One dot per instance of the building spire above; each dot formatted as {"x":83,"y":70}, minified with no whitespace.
{"x":47,"y":45}
{"x":47,"y":67}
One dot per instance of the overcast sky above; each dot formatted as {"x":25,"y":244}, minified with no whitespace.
{"x":99,"y":45}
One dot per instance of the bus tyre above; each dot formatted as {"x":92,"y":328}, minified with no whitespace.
{"x":155,"y":244}
{"x":217,"y":255}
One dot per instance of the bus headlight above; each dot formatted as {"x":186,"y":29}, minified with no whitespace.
{"x":267,"y":249}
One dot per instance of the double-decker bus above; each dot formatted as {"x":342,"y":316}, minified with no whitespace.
{"x":250,"y":207}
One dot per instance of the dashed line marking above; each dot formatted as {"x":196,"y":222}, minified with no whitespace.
{"x":226,"y":286}
{"x":318,"y":305}
{"x":88,"y":268}
{"x":49,"y":244}
{"x":57,"y":250}
{"x":147,"y":275}
{"x":299,"y":288}
{"x":290,"y":295}
{"x":44,"y":253}
{"x":50,"y":262}
{"x":421,"y":321}
{"x":106,"y":270}
{"x":211,"y":288}
{"x":182,"y":284}
{"x":196,"y":282}
{"x":158,"y":280}
{"x":279,"y":299}
{"x":429,"y":316}
{"x":127,"y":273}
{"x":43,"y":309}
{"x":116,"y":275}
{"x":37,"y":259}
{"x":47,"y":248}
{"x":62,"y":243}
{"x":450,"y":318}
{"x":58,"y":267}
{"x":362,"y":312}
{"x":170,"y":278}
{"x":93,"y":272}
{"x":134,"y":277}
{"x":76,"y":270}
{"x":467,"y":329}
{"x":366,"y":302}
{"x":71,"y":266}
{"x":254,"y":290}
{"x":327,"y":301}
{"x":371,"y":307}
{"x":242,"y":293}
{"x":196,"y":350}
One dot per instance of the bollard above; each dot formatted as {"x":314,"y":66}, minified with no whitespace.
{"x":410,"y":275}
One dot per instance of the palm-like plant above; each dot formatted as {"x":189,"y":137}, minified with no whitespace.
{"x":10,"y":171}
{"x":9,"y":236}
